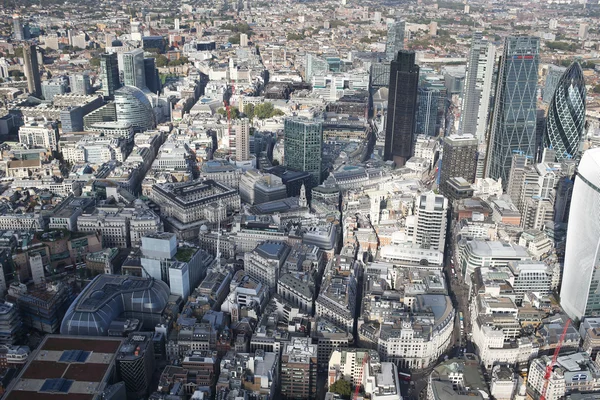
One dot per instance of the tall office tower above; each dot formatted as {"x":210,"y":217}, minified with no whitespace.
{"x":242,"y":140}
{"x":395,"y":39}
{"x":579,"y":294}
{"x":478,"y":88}
{"x":299,"y":369}
{"x":430,"y":222}
{"x":109,"y":74}
{"x":583,"y":31}
{"x":552,"y":78}
{"x":135,"y":364}
{"x":32,"y":70}
{"x":566,"y":115}
{"x":514,"y":119}
{"x":18,"y":28}
{"x":402,"y":108}
{"x":314,"y":66}
{"x":134,"y":73}
{"x":428,"y":100}
{"x":151,"y":72}
{"x":243,"y":40}
{"x":303,"y":146}
{"x":459,"y":160}
{"x":516,"y":177}
{"x":80,"y":83}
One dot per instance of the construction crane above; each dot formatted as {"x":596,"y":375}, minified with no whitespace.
{"x":360,"y":377}
{"x":548,"y":373}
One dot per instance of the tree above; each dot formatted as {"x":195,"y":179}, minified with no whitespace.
{"x":95,"y":62}
{"x":266,"y":110}
{"x":596,"y":89}
{"x":235,"y":39}
{"x":249,"y":111}
{"x":341,"y":387}
{"x":161,"y":61}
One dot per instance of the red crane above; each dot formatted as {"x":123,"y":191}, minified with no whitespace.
{"x":548,"y":373}
{"x":362,"y":372}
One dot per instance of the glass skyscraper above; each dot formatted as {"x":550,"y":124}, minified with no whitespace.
{"x":134,"y":73}
{"x":395,"y":39}
{"x":554,"y":74}
{"x":514,"y":120}
{"x":427,"y":111}
{"x":402,"y":108}
{"x":566,"y":114}
{"x":314,"y":66}
{"x":109,"y":74}
{"x":478,"y":88}
{"x":303,"y":146}
{"x":580,"y":291}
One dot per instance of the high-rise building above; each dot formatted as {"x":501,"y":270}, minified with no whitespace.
{"x":583,"y":31}
{"x":80,"y":84}
{"x":109,"y":74}
{"x":135,"y":364}
{"x":18,"y":28}
{"x":134,"y":73}
{"x":514,"y":120}
{"x":243,"y":40}
{"x":133,"y":107}
{"x":459,"y":160}
{"x":303,"y":146}
{"x":32,"y":70}
{"x":152,"y":79}
{"x":566,"y":115}
{"x":314,"y":66}
{"x":427,"y":110}
{"x":430,"y":221}
{"x":242,"y":140}
{"x":402,"y":108}
{"x":478,"y":88}
{"x":554,"y":74}
{"x":395,"y":39}
{"x":299,"y":369}
{"x":579,"y":296}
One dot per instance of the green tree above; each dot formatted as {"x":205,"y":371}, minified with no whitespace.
{"x":235,"y":39}
{"x":161,"y":61}
{"x":249,"y":111}
{"x":295,"y":36}
{"x":596,"y":89}
{"x":234,"y":112}
{"x":95,"y":62}
{"x":341,"y":387}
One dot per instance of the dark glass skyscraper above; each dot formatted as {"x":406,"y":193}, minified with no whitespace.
{"x":514,"y":120}
{"x":402,"y":108}
{"x":109,"y":74}
{"x":303,"y":146}
{"x":32,"y":70}
{"x":566,"y":115}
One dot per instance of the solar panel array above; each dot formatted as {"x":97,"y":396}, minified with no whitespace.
{"x":74,"y":356}
{"x":57,"y":385}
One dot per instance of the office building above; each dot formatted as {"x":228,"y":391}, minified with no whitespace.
{"x":10,"y":323}
{"x":32,"y":70}
{"x":336,"y":302}
{"x":514,"y":121}
{"x":134,"y":72}
{"x":315,"y":66}
{"x":133,"y":107}
{"x":151,"y":72}
{"x":395,"y":39}
{"x":478,"y":88}
{"x":428,"y":100}
{"x":135,"y":364}
{"x":242,"y":140}
{"x":80,"y":84}
{"x":265,"y":261}
{"x":109,"y":74}
{"x":347,"y":364}
{"x":303,"y":146}
{"x":583,"y":31}
{"x":481,"y":253}
{"x":566,"y":115}
{"x":578,"y":296}
{"x":53,"y":87}
{"x":41,"y":135}
{"x":552,"y":77}
{"x":429,"y":230}
{"x":68,"y":367}
{"x":243,"y":40}
{"x":18,"y":31}
{"x":109,"y":297}
{"x":402,"y":108}
{"x":459,"y":160}
{"x":457,"y":379}
{"x":299,"y":369}
{"x":257,"y":187}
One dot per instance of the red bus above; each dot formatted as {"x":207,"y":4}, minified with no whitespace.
{"x":403,"y":376}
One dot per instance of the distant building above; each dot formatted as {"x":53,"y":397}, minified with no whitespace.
{"x":109,"y":74}
{"x":32,"y":70}
{"x":395,"y":39}
{"x":134,"y":73}
{"x":80,"y":84}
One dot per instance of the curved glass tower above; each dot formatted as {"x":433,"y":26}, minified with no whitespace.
{"x":133,"y":107}
{"x":566,"y":115}
{"x":580,"y":291}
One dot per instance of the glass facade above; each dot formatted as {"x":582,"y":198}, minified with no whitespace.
{"x":580,"y":291}
{"x":303,"y":146}
{"x":478,"y":88}
{"x":109,"y":74}
{"x":314,"y":66}
{"x":554,"y":74}
{"x":514,"y":120}
{"x":134,"y":73}
{"x":132,"y":106}
{"x":566,"y":114}
{"x":427,"y":111}
{"x":402,"y":108}
{"x":395,"y":39}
